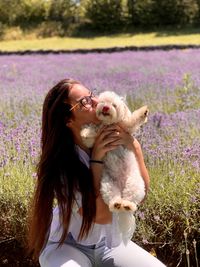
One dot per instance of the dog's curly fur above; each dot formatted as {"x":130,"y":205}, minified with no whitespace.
{"x":122,"y":186}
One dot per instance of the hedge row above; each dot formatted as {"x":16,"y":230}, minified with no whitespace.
{"x":100,"y":14}
{"x":101,"y":50}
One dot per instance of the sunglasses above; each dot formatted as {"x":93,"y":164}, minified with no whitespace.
{"x":85,"y":101}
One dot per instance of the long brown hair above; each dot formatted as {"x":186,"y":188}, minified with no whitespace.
{"x":60,"y":173}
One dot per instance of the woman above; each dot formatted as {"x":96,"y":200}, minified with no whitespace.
{"x":81,"y":231}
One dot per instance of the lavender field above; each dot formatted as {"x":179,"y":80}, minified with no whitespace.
{"x":168,"y":82}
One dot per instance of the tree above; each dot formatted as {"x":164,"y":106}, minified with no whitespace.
{"x":104,"y":14}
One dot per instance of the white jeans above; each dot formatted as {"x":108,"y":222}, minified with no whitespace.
{"x":72,"y":254}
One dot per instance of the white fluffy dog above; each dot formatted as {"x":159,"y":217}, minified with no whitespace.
{"x":122,"y":186}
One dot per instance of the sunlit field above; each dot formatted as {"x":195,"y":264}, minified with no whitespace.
{"x":168,"y":82}
{"x":115,"y":40}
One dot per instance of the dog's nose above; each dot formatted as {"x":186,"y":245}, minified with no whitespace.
{"x":105,"y":109}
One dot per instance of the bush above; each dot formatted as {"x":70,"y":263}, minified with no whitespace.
{"x":104,"y":15}
{"x":140,"y":12}
{"x":20,"y":12}
{"x":197,"y":17}
{"x":31,"y":13}
{"x":98,"y":15}
{"x":50,"y":29}
{"x":12,"y":33}
{"x":2,"y":28}
{"x":169,"y":12}
{"x":175,"y":12}
{"x":161,"y":12}
{"x":63,"y":11}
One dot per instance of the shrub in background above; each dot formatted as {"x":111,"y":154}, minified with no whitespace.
{"x":2,"y":28}
{"x":64,"y":17}
{"x":197,"y":17}
{"x":105,"y":15}
{"x":162,"y":12}
{"x":175,"y":12}
{"x":63,"y":11}
{"x":30,"y":13}
{"x":54,"y":17}
{"x":50,"y":29}
{"x":22,"y":12}
{"x":6,"y":11}
{"x":140,"y":12}
{"x":169,"y":12}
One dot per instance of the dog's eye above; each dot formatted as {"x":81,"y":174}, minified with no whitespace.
{"x":114,"y":105}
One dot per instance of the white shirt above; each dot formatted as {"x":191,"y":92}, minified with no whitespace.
{"x":110,"y":231}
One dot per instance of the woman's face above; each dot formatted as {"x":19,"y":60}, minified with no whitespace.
{"x":84,"y":110}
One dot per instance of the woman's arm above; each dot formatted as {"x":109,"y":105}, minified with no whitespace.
{"x":106,"y":140}
{"x":103,"y":214}
{"x":140,"y":159}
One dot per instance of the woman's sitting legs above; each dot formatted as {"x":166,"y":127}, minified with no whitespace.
{"x":64,"y":256}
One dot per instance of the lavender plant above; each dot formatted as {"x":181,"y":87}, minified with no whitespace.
{"x":168,"y":82}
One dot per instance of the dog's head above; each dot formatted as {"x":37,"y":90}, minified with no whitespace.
{"x":111,"y":108}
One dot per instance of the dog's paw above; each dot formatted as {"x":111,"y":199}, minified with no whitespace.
{"x":143,"y":113}
{"x":115,"y":206}
{"x":128,"y":206}
{"x":146,"y":113}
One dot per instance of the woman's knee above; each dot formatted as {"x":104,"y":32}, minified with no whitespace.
{"x":131,"y":256}
{"x":64,"y":256}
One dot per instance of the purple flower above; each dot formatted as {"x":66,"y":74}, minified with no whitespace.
{"x":145,"y":241}
{"x":156,"y":218}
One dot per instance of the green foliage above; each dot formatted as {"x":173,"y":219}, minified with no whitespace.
{"x":162,"y":12}
{"x":166,"y":215}
{"x":98,"y":15}
{"x":185,"y":97}
{"x":8,"y":16}
{"x":175,"y":12}
{"x":105,"y":14}
{"x":197,"y":15}
{"x":2,"y":27}
{"x":168,"y":212}
{"x":50,"y":29}
{"x":20,"y":12}
{"x":35,"y":11}
{"x":62,"y":10}
{"x":168,"y":12}
{"x":32,"y":12}
{"x":140,"y":12}
{"x":16,"y":187}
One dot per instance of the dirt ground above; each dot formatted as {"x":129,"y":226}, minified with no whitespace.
{"x":13,"y":255}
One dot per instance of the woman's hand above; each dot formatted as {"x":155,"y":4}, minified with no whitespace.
{"x":126,"y":138}
{"x":108,"y":138}
{"x":114,"y":135}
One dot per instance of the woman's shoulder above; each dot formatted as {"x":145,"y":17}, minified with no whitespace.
{"x":83,"y":156}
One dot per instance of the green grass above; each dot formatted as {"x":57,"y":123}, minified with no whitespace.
{"x":115,"y":40}
{"x":168,"y":211}
{"x":16,"y":188}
